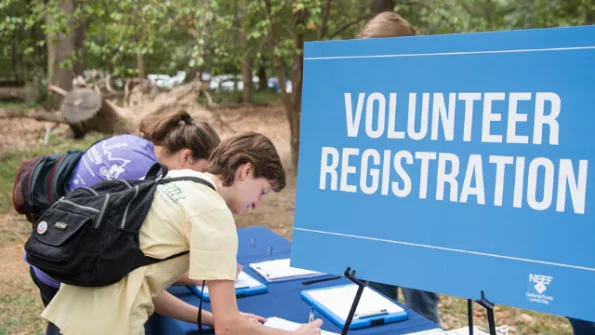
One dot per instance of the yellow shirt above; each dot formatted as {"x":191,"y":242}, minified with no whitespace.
{"x":184,"y":216}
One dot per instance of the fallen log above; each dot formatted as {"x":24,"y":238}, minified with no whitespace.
{"x":91,"y":112}
{"x":13,"y":93}
{"x":35,"y":115}
{"x":86,"y":109}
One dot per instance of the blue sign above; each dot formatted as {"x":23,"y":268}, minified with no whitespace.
{"x":453,"y":164}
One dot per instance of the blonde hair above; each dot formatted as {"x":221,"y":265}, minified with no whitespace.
{"x":387,"y":24}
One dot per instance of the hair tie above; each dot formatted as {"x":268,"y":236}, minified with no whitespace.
{"x":185,"y":119}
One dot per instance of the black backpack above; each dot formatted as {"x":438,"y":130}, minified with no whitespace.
{"x":41,"y":180}
{"x":90,"y":237}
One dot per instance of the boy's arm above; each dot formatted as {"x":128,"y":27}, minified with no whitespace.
{"x":228,"y":320}
{"x":185,"y":280}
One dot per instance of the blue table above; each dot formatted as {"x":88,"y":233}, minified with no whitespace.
{"x":282,"y":300}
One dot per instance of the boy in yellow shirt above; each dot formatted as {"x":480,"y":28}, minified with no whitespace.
{"x":185,"y":215}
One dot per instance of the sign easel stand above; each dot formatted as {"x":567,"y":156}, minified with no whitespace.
{"x":483,"y":302}
{"x":350,"y":274}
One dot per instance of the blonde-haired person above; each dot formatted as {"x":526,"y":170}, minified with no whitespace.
{"x":391,"y":24}
{"x":387,"y":24}
{"x":242,"y":169}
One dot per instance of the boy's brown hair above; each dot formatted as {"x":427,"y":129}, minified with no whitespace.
{"x":176,"y":130}
{"x":248,"y":147}
{"x":387,"y":24}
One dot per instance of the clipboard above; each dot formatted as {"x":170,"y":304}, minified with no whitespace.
{"x":245,"y":285}
{"x":280,"y":270}
{"x":373,"y":308}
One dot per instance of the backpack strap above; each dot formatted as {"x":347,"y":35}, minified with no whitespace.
{"x":150,"y":260}
{"x":194,"y":179}
{"x":154,"y":171}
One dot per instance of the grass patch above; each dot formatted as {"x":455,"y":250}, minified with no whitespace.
{"x":20,"y":315}
{"x":10,"y":161}
{"x":20,"y":307}
{"x":12,"y":105}
{"x":453,"y":314}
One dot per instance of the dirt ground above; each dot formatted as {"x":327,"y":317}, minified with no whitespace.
{"x":19,"y":300}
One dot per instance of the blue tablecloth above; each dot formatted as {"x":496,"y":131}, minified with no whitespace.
{"x":282,"y":300}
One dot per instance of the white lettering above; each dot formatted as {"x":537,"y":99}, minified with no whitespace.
{"x":519,"y":182}
{"x":353,"y":121}
{"x":514,"y":118}
{"x":489,"y":117}
{"x":423,"y":128}
{"x":425,"y":158}
{"x":385,"y":172}
{"x":374,"y":173}
{"x":392,"y":118}
{"x":474,"y":171}
{"x":346,"y":170}
{"x":548,"y":184}
{"x":370,"y":131}
{"x":500,"y":162}
{"x":326,"y":168}
{"x":439,"y":113}
{"x":444,"y":177}
{"x":578,"y":189}
{"x":550,"y":119}
{"x":406,"y":189}
{"x":469,"y":98}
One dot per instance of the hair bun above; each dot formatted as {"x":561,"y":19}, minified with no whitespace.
{"x":186,"y":118}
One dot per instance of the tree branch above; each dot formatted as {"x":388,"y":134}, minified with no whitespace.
{"x":58,"y":90}
{"x":354,"y":22}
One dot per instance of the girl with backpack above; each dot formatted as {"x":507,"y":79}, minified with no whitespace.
{"x":173,"y":139}
{"x":184,"y":215}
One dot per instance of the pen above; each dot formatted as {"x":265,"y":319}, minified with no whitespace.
{"x":319,"y":280}
{"x":371,"y":313}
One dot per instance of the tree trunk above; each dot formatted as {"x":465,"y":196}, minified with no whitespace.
{"x":263,"y":81}
{"x":140,"y":65}
{"x":78,"y":40}
{"x":590,"y":17}
{"x":293,"y":101}
{"x":294,"y":115}
{"x":246,"y":72}
{"x":60,"y":48}
{"x":85,"y":110}
{"x":379,"y":6}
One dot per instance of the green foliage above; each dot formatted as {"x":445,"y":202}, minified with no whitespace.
{"x":19,"y":37}
{"x":215,"y":36}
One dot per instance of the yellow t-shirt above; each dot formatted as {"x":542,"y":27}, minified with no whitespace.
{"x":184,"y":216}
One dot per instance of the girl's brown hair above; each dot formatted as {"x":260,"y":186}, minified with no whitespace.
{"x":177,"y":130}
